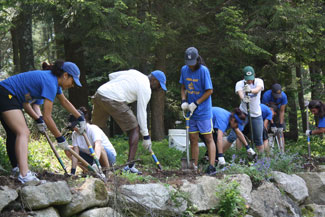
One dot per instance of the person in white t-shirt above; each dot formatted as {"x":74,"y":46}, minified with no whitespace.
{"x":249,"y":91}
{"x":103,"y":148}
{"x":112,"y":99}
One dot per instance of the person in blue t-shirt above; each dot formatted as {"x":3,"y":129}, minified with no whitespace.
{"x":19,"y":91}
{"x":318,"y":109}
{"x":222,"y":121}
{"x":279,"y":98}
{"x":267,"y":114}
{"x":196,"y":93}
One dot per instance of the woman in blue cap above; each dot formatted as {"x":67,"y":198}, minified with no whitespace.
{"x":21,"y":90}
{"x":318,"y":109}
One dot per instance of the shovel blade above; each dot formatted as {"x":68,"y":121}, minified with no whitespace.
{"x":184,"y":164}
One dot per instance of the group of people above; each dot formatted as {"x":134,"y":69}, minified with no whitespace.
{"x":30,"y":90}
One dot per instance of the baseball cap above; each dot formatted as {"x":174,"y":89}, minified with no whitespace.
{"x":72,"y":120}
{"x":73,"y":70}
{"x":276,"y":91}
{"x":249,"y":73}
{"x":191,"y":55}
{"x":160,"y":76}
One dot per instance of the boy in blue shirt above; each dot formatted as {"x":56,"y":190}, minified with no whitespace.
{"x":318,"y":109}
{"x":267,"y":115}
{"x":196,"y":93}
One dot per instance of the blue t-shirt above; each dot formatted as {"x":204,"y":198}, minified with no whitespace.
{"x":196,"y":83}
{"x":33,"y":86}
{"x":321,"y":122}
{"x":267,"y":98}
{"x":266,"y":112}
{"x":220,"y":119}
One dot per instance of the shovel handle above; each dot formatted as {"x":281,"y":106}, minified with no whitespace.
{"x":156,"y":160}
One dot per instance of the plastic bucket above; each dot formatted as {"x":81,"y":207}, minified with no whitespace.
{"x":177,"y":139}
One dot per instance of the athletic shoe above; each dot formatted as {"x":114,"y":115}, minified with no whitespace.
{"x":30,"y":176}
{"x":15,"y":171}
{"x":221,"y":162}
{"x":250,"y":151}
{"x":132,"y":170}
{"x":211,"y":170}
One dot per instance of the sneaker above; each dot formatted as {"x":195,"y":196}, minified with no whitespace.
{"x":30,"y":176}
{"x":132,"y":170}
{"x":221,"y":162}
{"x":250,"y":151}
{"x":15,"y":171}
{"x":211,"y":170}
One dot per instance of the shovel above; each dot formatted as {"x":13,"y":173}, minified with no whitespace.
{"x":186,"y":162}
{"x":309,"y":165}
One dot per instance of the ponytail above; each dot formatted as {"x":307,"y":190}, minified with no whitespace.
{"x":56,"y":68}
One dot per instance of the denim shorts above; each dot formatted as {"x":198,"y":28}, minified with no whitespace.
{"x":111,"y":157}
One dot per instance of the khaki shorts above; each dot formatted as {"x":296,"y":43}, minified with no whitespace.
{"x":120,"y":111}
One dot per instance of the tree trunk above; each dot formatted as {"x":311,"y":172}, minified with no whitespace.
{"x":15,"y":50}
{"x":301,"y":93}
{"x":317,"y":88}
{"x":157,"y":103}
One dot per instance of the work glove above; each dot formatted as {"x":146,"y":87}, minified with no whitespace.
{"x":251,"y":151}
{"x":62,"y":143}
{"x":192,"y":107}
{"x":273,"y":128}
{"x":184,"y":106}
{"x":308,"y":132}
{"x":280,"y":128}
{"x":247,"y":89}
{"x":147,"y":142}
{"x":81,"y":124}
{"x":246,"y":99}
{"x":41,"y":126}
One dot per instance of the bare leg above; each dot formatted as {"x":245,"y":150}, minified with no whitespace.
{"x":133,"y":142}
{"x":226,"y":146}
{"x":16,"y":122}
{"x":211,"y":148}
{"x":194,"y":140}
{"x":103,"y":158}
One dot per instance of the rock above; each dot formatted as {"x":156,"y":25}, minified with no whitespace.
{"x":49,"y":212}
{"x":294,"y":185}
{"x":6,"y":196}
{"x":269,"y":202}
{"x":245,"y":186}
{"x":91,"y":194}
{"x":202,"y":193}
{"x":316,"y":186}
{"x":45,"y":195}
{"x":153,"y":198}
{"x":321,"y":168}
{"x":315,"y":210}
{"x":100,"y":212}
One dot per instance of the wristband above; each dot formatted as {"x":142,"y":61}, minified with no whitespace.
{"x":73,"y":171}
{"x":281,"y":125}
{"x":311,"y":133}
{"x":146,"y":137}
{"x":183,"y":100}
{"x":39,"y":120}
{"x":60,"y":139}
{"x":272,"y":124}
{"x":196,"y":103}
{"x":80,"y":118}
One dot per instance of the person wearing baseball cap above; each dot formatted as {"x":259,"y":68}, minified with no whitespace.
{"x":196,"y":90}
{"x":113,"y":99}
{"x":22,"y":91}
{"x":278,"y":98}
{"x":249,"y":91}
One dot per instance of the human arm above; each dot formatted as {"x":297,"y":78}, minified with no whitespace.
{"x":320,"y":130}
{"x":281,"y":115}
{"x":74,"y":160}
{"x":183,"y":93}
{"x":240,"y":136}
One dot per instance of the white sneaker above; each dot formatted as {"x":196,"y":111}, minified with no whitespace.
{"x":251,"y":151}
{"x":132,"y":170}
{"x":30,"y":176}
{"x":221,"y":161}
{"x":15,"y":171}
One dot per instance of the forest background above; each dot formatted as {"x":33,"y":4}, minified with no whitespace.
{"x":283,"y":40}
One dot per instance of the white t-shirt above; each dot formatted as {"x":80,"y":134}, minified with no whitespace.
{"x":255,"y":102}
{"x":130,"y":86}
{"x":94,"y":133}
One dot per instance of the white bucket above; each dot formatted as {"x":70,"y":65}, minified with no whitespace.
{"x":177,"y":139}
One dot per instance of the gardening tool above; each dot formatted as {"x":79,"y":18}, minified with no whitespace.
{"x":250,"y":121}
{"x":56,"y":153}
{"x":186,"y":162}
{"x":92,"y":153}
{"x":309,"y":165}
{"x":155,"y":159}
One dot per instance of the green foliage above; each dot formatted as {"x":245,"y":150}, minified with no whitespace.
{"x":231,"y":203}
{"x":4,"y":160}
{"x":135,"y":178}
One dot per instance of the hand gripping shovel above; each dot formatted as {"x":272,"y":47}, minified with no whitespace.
{"x":186,"y":162}
{"x":92,"y":153}
{"x":56,"y":153}
{"x":309,"y":165}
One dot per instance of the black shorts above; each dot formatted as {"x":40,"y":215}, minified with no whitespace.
{"x":87,"y":157}
{"x":265,"y":134}
{"x":8,"y":101}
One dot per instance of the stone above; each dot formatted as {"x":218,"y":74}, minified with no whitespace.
{"x":316,"y":186}
{"x":45,"y":195}
{"x":316,"y":210}
{"x":100,"y":212}
{"x":6,"y":196}
{"x":245,"y":186}
{"x":48,"y":212}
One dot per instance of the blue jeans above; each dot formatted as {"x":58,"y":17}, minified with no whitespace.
{"x":111,"y":157}
{"x":257,"y":124}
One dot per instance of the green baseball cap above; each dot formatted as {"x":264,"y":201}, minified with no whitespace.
{"x":249,"y":73}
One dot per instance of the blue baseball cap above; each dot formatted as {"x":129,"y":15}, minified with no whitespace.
{"x":73,"y":70}
{"x":160,"y":76}
{"x":191,"y":55}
